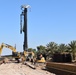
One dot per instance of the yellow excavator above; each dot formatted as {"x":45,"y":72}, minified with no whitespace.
{"x":18,"y":55}
{"x":15,"y":54}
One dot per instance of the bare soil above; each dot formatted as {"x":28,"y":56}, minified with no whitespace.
{"x":21,"y":69}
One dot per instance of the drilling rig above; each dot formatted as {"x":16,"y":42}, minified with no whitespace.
{"x":23,"y":25}
{"x":23,"y":19}
{"x":23,"y":28}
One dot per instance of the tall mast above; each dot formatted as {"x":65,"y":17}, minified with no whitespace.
{"x":24,"y":14}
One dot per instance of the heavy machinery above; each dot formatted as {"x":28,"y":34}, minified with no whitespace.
{"x":40,"y":59}
{"x":29,"y":55}
{"x":15,"y":54}
{"x":23,"y":17}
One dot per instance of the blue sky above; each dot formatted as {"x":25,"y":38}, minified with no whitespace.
{"x":48,"y":20}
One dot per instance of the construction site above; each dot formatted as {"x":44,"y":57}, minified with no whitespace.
{"x":22,"y":63}
{"x":34,"y":63}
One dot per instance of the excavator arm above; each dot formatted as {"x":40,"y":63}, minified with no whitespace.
{"x":7,"y":46}
{"x":1,"y":47}
{"x":15,"y":54}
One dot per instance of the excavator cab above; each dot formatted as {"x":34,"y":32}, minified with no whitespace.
{"x":16,"y":55}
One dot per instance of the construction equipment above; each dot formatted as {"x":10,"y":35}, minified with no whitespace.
{"x":29,"y":55}
{"x":24,"y":27}
{"x":15,"y":54}
{"x":40,"y":58}
{"x":20,"y":56}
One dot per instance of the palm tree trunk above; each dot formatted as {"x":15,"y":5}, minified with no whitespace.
{"x":73,"y":55}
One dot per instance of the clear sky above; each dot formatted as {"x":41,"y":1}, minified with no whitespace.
{"x":48,"y":20}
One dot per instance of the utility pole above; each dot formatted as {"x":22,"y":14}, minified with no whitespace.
{"x":23,"y":17}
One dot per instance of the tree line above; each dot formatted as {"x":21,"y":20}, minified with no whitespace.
{"x":52,"y":48}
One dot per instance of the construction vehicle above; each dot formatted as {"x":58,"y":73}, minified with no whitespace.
{"x":29,"y":55}
{"x":40,"y":59}
{"x":32,"y":57}
{"x":15,"y":54}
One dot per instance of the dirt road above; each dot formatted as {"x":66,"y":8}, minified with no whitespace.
{"x":20,"y":69}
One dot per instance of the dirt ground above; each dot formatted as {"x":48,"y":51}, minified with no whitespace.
{"x":20,"y":69}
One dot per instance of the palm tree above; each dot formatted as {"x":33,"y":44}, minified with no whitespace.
{"x":62,"y":48}
{"x":52,"y":47}
{"x":72,"y":47}
{"x":41,"y":49}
